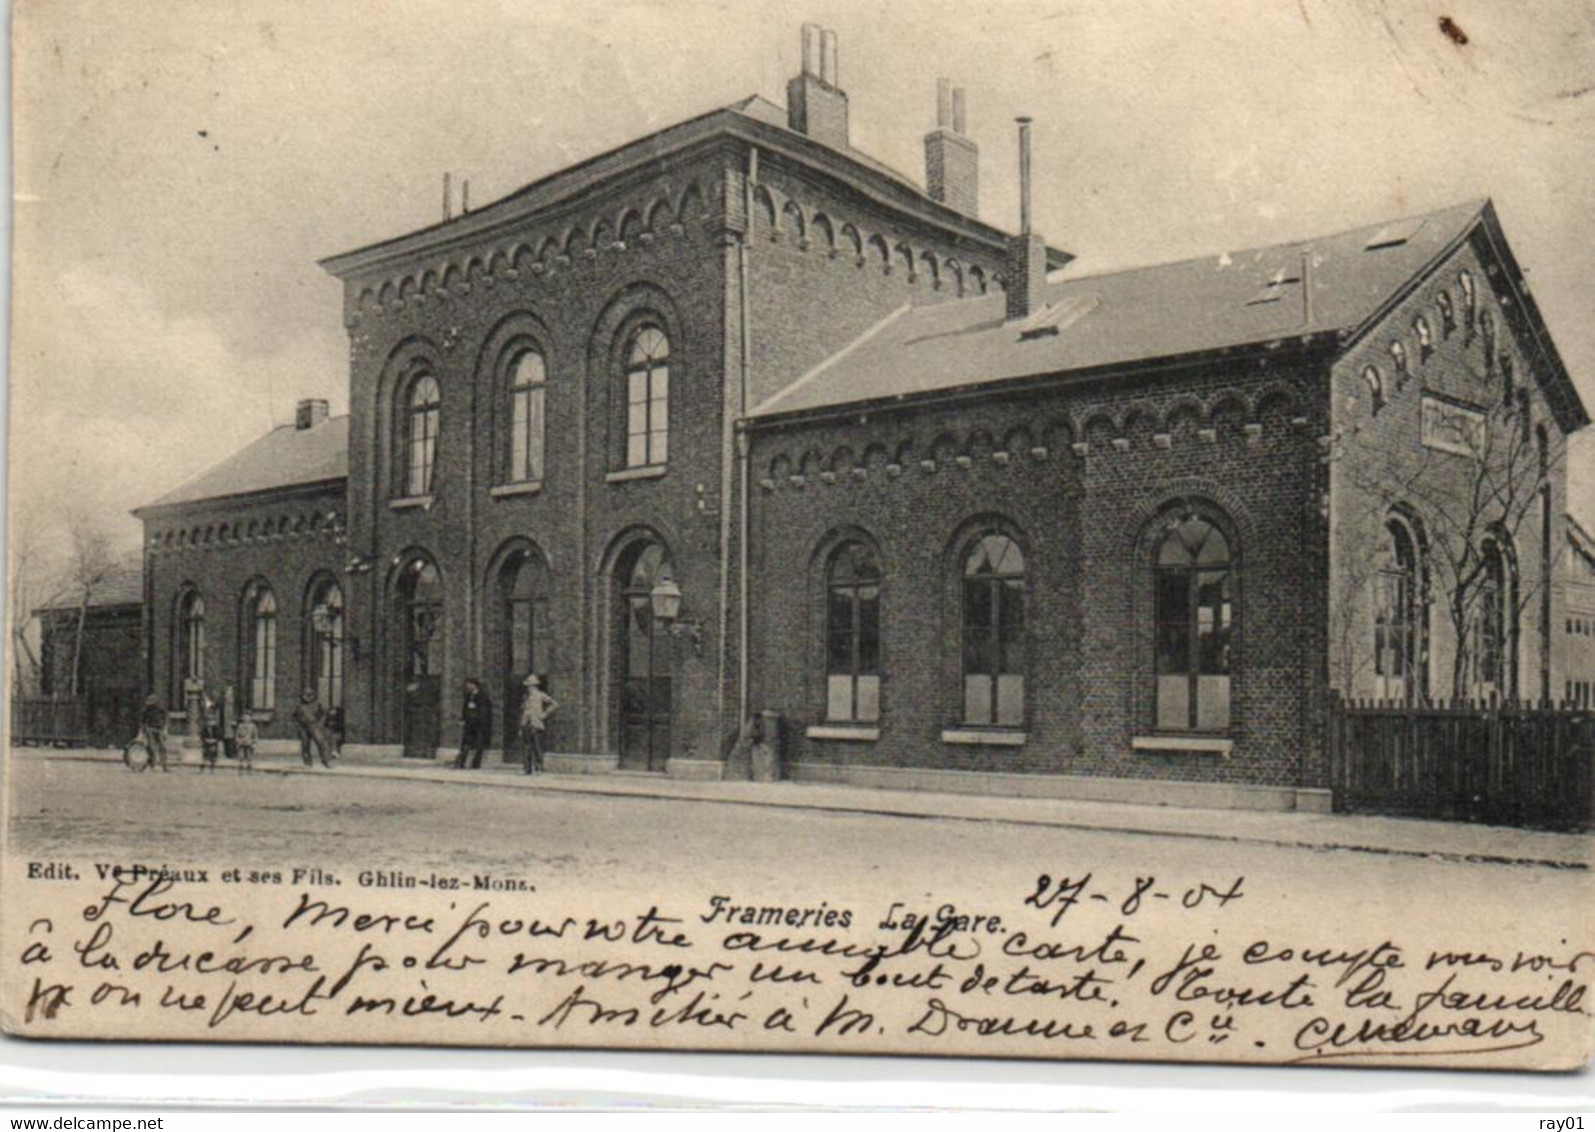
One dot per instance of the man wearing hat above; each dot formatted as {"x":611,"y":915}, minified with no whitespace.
{"x":308,"y":718}
{"x":476,"y":726}
{"x":535,"y":710}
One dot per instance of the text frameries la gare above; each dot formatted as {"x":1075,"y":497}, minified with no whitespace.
{"x":736,"y":419}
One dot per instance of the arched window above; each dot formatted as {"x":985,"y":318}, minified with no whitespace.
{"x":421,"y":435}
{"x":1376,"y":386}
{"x":1487,"y":335}
{"x":189,"y":650}
{"x":648,"y":399}
{"x":528,"y":378}
{"x":853,"y":635}
{"x":1195,"y":624}
{"x":1400,"y":644}
{"x":1398,"y":359}
{"x":1420,"y":327}
{"x":1492,"y":604}
{"x":1470,"y":301}
{"x":325,"y":634}
{"x":1448,"y":314}
{"x":259,"y":654}
{"x":994,"y":632}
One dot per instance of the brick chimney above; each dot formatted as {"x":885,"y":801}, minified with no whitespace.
{"x":1027,"y":252}
{"x":952,"y":161}
{"x":309,"y":413}
{"x":815,"y":104}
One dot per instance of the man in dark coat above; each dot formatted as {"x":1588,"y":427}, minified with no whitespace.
{"x":476,"y":730}
{"x":308,"y":718}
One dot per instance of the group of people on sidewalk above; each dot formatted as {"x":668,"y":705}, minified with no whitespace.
{"x":223,"y":729}
{"x":476,"y":724}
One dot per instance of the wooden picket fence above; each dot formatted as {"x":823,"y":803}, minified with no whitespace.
{"x":105,"y":717}
{"x":1517,"y":764}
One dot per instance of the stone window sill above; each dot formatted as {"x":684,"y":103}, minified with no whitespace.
{"x":405,"y":502}
{"x":526,"y":487}
{"x":646,"y":472}
{"x":1184,"y":744}
{"x":983,"y":737}
{"x":845,"y":732}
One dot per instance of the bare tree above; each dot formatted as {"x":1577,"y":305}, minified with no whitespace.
{"x":38,"y":583}
{"x":1480,"y":479}
{"x":90,"y":562}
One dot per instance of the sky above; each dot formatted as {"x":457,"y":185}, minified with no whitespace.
{"x":181,"y":165}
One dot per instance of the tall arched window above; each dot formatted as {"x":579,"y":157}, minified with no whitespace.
{"x":189,"y":650}
{"x":1399,"y":632}
{"x":994,"y":632}
{"x":326,"y":632}
{"x":1448,"y":314}
{"x":421,"y":435}
{"x":1487,"y":337}
{"x":259,"y":637}
{"x":1195,"y":624}
{"x":528,"y":377}
{"x":648,"y":398}
{"x":853,"y":635}
{"x":1491,"y":607}
{"x":1420,"y":327}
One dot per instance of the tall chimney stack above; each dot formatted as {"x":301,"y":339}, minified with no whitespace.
{"x":1027,"y":252}
{"x":815,"y":102}
{"x":952,"y":161}
{"x":448,"y":197}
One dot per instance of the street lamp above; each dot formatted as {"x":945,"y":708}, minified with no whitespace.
{"x":665,"y":597}
{"x":326,"y":620}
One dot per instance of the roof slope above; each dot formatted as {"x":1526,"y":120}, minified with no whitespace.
{"x":285,"y":457}
{"x":1092,"y":321}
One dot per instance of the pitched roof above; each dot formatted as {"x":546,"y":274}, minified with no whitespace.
{"x":285,"y":457}
{"x":1093,"y":321}
{"x":754,"y":118}
{"x":123,"y":584}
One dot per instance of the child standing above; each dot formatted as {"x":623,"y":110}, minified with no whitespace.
{"x":245,"y":737}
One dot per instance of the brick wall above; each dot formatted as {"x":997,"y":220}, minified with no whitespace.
{"x":918,"y":481}
{"x":289,"y":540}
{"x":1380,"y":461}
{"x":577,"y":284}
{"x":813,"y":290}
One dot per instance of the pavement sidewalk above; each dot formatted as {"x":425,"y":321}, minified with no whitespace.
{"x":1451,"y":841}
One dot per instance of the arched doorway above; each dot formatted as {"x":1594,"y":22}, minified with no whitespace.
{"x":419,"y":615}
{"x":523,"y":637}
{"x":647,"y":660}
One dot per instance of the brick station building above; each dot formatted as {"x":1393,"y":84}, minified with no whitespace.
{"x":735,"y":419}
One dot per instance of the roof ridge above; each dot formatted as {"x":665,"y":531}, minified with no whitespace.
{"x":1477,"y":205}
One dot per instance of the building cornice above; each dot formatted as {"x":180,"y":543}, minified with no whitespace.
{"x":573,"y":184}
